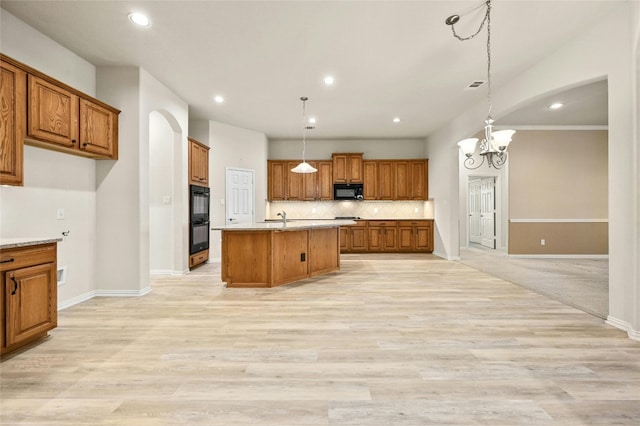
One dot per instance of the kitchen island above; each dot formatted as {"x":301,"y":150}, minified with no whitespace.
{"x":269,"y":254}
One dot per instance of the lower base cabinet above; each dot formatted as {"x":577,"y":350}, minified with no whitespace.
{"x":269,"y":258}
{"x":387,"y":236}
{"x":28,"y":295}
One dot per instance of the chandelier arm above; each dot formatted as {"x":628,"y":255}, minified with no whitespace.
{"x":470,"y":161}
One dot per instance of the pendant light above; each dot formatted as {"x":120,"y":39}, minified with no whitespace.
{"x":304,"y":167}
{"x":494,"y":146}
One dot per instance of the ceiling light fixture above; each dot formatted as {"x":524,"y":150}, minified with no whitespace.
{"x":396,"y":120}
{"x":304,"y":167}
{"x":219,"y":99}
{"x":556,"y":105}
{"x":312,"y":120}
{"x":139,"y":19}
{"x":493,"y":147}
{"x":329,"y":80}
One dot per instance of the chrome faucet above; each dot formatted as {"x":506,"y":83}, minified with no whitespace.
{"x":283,"y":215}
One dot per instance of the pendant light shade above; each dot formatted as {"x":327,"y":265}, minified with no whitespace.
{"x":304,"y":167}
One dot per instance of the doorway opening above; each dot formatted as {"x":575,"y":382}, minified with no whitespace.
{"x":482,"y":211}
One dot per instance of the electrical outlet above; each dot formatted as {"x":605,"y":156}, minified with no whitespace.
{"x":542,"y":242}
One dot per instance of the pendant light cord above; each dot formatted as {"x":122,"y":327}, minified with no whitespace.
{"x":304,"y":126}
{"x":487,"y":19}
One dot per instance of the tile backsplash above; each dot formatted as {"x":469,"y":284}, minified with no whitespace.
{"x":363,"y":209}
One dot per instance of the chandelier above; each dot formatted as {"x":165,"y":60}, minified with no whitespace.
{"x":493,"y":148}
{"x":304,"y":167}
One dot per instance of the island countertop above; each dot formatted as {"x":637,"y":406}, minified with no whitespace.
{"x":8,"y":243}
{"x":291,"y":225}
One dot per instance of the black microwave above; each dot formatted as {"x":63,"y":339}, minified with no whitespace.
{"x":348,"y":191}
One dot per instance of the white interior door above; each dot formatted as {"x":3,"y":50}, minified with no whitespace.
{"x":240,"y":195}
{"x":475,"y":196}
{"x":488,"y":212}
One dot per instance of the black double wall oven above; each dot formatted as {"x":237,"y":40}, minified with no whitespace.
{"x":199,"y":220}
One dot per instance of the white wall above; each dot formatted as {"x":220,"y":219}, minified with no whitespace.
{"x":161,"y":176}
{"x":321,"y":149}
{"x":123,"y":263}
{"x":232,"y":147}
{"x":53,"y":180}
{"x":604,"y":50}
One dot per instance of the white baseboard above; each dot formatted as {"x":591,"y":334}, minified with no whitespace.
{"x":102,"y":293}
{"x":166,"y":272}
{"x":624,"y":326}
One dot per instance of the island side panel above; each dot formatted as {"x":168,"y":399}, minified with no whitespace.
{"x":324,"y":250}
{"x":290,"y":256}
{"x":246,"y":258}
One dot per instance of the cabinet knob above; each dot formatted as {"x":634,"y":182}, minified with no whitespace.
{"x":73,"y":141}
{"x":85,"y":144}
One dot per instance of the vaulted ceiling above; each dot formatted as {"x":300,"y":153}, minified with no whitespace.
{"x":389,"y":58}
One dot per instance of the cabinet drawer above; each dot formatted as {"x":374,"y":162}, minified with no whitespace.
{"x":382,"y":223}
{"x":415,"y":223}
{"x":19,"y":257}
{"x":198,"y":258}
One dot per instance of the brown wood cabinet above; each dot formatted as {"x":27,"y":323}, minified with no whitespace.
{"x":370,"y":179}
{"x":411,"y":179}
{"x":268,"y":258}
{"x":60,"y":119}
{"x":415,"y":235}
{"x":353,"y":238}
{"x":325,"y":180}
{"x":283,"y":184}
{"x":347,"y":168}
{"x":198,"y":258}
{"x":28,"y":295}
{"x":41,"y":111}
{"x":382,"y":235}
{"x":386,"y":180}
{"x":372,"y":236}
{"x":13,"y":122}
{"x":198,"y":163}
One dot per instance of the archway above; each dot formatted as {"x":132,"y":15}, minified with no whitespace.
{"x":166,"y":195}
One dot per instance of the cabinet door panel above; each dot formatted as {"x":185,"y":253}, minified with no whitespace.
{"x":31,"y":302}
{"x":375,"y":242}
{"x":418,"y":189}
{"x":370,"y":179}
{"x":403,"y":180}
{"x":13,"y":123}
{"x":339,"y":168}
{"x":295,"y":183}
{"x":310,"y":184}
{"x":53,"y":113}
{"x":97,"y":129}
{"x":390,"y":242}
{"x":386,"y":180}
{"x":277,"y":180}
{"x":355,"y":168}
{"x":424,"y":237}
{"x":358,"y":238}
{"x":325,"y":180}
{"x":405,"y":238}
{"x":344,"y":239}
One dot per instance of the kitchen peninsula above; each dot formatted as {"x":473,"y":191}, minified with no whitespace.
{"x":269,"y":254}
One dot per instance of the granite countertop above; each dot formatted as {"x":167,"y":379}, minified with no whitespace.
{"x":7,"y":243}
{"x":294,"y":224}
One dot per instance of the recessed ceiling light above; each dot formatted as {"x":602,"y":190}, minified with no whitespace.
{"x":329,"y":80}
{"x":219,"y":99}
{"x":139,"y":19}
{"x":556,"y":105}
{"x":312,"y":120}
{"x":396,"y":120}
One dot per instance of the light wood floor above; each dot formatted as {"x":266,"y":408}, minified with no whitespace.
{"x":388,"y":340}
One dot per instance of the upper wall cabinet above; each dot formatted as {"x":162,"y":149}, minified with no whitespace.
{"x":13,"y":122}
{"x":41,"y":111}
{"x":283,"y":184}
{"x":198,"y":163}
{"x":347,"y":168}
